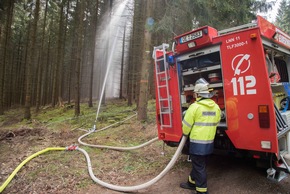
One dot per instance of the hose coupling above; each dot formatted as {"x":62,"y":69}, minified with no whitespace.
{"x":93,"y":129}
{"x":71,"y":147}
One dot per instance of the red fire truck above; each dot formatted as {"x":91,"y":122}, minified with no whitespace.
{"x":248,"y":67}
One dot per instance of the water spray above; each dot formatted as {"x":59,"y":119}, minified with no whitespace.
{"x":106,"y":77}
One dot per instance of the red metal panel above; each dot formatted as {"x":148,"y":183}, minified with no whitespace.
{"x":271,"y":32}
{"x":246,"y":86}
{"x":173,"y":133}
{"x":195,"y":39}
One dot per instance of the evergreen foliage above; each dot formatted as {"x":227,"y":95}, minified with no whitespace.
{"x":283,"y":16}
{"x":183,"y":15}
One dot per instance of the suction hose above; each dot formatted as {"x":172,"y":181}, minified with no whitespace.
{"x":137,"y":187}
{"x":4,"y":185}
{"x":112,"y":147}
{"x":116,"y":148}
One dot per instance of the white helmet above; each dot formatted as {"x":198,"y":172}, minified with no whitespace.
{"x":201,"y":88}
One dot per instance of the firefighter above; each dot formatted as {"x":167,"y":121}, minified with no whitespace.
{"x":199,"y":123}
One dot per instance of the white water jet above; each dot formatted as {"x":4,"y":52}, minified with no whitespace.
{"x":108,"y":50}
{"x":106,"y":75}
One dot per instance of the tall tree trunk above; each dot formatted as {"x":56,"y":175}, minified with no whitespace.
{"x":1,"y":72}
{"x":130,"y":75}
{"x":61,"y":73}
{"x":122,"y":64}
{"x":58,"y":65}
{"x":45,"y":95}
{"x":26,"y":56}
{"x":18,"y":87}
{"x":71,"y":80}
{"x":143,"y":97}
{"x":40,"y":63}
{"x":71,"y":69}
{"x":5,"y":39}
{"x":80,"y":8}
{"x":7,"y":58}
{"x":136,"y":51}
{"x":31,"y":62}
{"x":92,"y":52}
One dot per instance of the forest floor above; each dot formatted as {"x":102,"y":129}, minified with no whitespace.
{"x":66,"y":171}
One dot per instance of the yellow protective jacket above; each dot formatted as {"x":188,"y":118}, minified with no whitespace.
{"x":200,"y":123}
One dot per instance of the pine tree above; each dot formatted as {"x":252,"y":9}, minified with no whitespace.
{"x":283,"y":16}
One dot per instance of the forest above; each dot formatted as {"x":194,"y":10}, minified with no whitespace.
{"x":58,"y":52}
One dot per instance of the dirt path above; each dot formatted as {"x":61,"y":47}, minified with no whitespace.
{"x":225,"y":176}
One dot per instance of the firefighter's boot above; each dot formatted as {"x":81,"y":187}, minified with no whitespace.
{"x":187,"y":185}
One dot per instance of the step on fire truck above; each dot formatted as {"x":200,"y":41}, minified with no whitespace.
{"x":249,"y":69}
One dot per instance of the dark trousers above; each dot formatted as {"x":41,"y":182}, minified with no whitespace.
{"x":198,"y":172}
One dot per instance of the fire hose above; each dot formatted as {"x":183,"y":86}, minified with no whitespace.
{"x":94,"y":178}
{"x":4,"y":185}
{"x":112,"y":147}
{"x":137,"y":187}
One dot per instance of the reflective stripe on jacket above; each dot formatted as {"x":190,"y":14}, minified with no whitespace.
{"x":200,"y":121}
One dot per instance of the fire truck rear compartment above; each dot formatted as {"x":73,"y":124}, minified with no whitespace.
{"x":248,"y":70}
{"x":208,"y":66}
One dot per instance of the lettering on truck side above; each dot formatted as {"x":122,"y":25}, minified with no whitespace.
{"x":242,"y":85}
